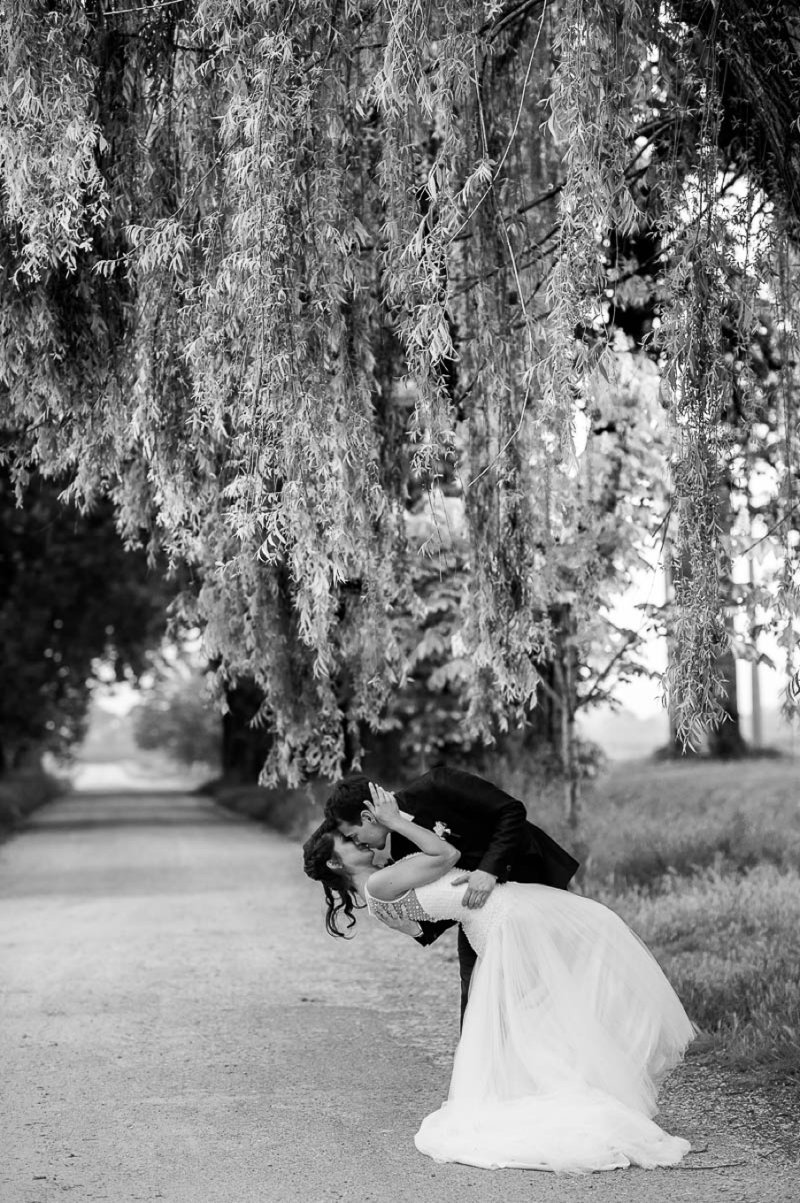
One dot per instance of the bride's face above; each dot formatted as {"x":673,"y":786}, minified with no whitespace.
{"x":350,"y":854}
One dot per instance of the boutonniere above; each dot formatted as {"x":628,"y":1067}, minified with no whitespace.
{"x":440,"y":830}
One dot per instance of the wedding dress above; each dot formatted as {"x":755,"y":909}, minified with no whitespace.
{"x":570,"y":1028}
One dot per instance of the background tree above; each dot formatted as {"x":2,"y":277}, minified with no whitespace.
{"x":176,"y":712}
{"x":273,"y":274}
{"x":70,"y":594}
{"x":759,"y":433}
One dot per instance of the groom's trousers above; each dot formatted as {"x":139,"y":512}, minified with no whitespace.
{"x":467,"y":956}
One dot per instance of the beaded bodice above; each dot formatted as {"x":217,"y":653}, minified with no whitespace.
{"x":406,"y":908}
{"x":440,"y":899}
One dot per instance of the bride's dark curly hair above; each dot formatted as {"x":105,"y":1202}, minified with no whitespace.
{"x":340,"y":896}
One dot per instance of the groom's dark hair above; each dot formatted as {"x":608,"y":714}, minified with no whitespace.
{"x":347,"y":800}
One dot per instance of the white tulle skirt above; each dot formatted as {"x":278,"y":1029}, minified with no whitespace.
{"x":570,"y":1028}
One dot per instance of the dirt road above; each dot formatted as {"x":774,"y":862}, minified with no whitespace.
{"x":175,"y":1024}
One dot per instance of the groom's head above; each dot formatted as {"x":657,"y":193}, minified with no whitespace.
{"x":347,"y":811}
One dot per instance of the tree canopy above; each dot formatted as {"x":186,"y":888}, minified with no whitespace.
{"x":277,"y":276}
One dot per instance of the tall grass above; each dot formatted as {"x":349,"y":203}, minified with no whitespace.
{"x":730,"y":944}
{"x":644,"y":819}
{"x":648,"y":819}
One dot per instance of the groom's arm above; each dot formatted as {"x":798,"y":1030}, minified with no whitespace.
{"x":501,"y":816}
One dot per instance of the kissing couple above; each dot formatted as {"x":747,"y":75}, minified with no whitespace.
{"x":569,"y":1025}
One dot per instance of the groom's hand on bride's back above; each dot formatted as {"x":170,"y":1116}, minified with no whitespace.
{"x":479,"y":886}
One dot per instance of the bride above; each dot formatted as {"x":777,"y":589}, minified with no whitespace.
{"x":571,"y":1025}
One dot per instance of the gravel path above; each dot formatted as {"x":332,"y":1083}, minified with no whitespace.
{"x":175,"y":1024}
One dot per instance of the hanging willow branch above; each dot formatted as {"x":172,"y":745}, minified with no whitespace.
{"x":273,"y":273}
{"x":598,"y":96}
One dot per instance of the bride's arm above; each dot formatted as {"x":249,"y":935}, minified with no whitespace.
{"x":435,"y":857}
{"x":395,"y":880}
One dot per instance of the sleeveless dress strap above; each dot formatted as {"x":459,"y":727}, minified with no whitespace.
{"x":399,"y":913}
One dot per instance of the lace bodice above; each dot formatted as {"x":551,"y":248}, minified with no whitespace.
{"x":440,"y":899}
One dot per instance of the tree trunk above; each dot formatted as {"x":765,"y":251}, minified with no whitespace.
{"x":27,"y":754}
{"x":757,"y":732}
{"x":543,"y":729}
{"x":551,"y":730}
{"x":566,"y":677}
{"x":244,"y":747}
{"x":726,"y":742}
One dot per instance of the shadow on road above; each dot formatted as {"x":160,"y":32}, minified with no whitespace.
{"x":80,"y":812}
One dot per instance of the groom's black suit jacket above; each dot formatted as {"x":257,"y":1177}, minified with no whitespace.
{"x":489,"y":828}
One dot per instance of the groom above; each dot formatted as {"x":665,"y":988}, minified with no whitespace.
{"x":488,"y":826}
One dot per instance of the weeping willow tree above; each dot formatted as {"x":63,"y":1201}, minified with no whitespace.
{"x":275,"y":274}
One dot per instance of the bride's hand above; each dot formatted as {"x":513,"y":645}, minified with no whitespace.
{"x":383,"y":805}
